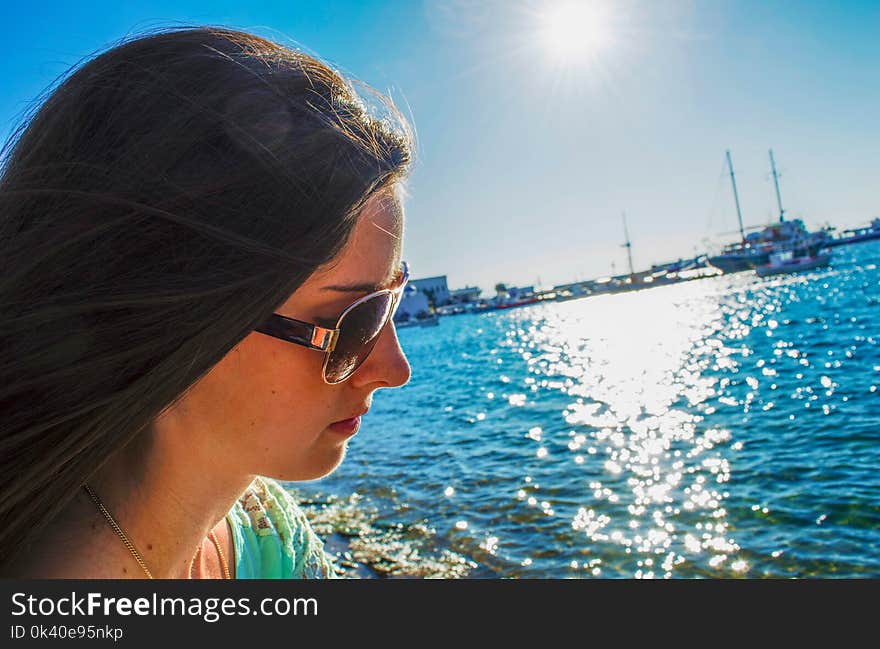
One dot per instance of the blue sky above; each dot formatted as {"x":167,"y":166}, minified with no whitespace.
{"x":526,"y":159}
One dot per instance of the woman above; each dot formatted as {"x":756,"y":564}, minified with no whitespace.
{"x":201,"y":239}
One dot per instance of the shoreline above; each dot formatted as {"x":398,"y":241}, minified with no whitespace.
{"x":365,"y":544}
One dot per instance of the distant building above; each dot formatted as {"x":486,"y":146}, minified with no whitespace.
{"x":413,"y":303}
{"x":517,"y":292}
{"x":465,"y":295}
{"x":434,"y":288}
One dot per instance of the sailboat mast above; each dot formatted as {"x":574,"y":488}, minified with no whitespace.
{"x":776,"y":182}
{"x":736,"y":197}
{"x":628,"y":246}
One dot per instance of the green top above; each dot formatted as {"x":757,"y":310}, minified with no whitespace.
{"x":272,"y":538}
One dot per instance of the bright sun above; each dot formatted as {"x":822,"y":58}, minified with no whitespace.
{"x":574,"y":31}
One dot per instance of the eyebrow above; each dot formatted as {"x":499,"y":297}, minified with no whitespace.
{"x":366,"y":287}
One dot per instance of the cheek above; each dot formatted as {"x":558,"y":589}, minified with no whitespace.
{"x":266,"y":408}
{"x":281,"y":387}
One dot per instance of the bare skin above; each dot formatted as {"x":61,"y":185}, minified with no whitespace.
{"x":262,"y":410}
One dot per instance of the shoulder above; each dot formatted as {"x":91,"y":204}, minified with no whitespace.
{"x":273,"y":537}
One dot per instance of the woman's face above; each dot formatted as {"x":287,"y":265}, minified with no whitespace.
{"x":265,"y":408}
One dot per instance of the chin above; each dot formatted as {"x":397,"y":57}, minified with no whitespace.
{"x":315,"y":470}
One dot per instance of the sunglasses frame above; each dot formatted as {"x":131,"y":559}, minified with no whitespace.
{"x":313,"y":336}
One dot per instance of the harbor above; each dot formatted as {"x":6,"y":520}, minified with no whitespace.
{"x":784,"y":246}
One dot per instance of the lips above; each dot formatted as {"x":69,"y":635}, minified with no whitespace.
{"x":348,"y":426}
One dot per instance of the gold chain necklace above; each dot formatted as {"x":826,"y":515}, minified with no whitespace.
{"x":137,"y":556}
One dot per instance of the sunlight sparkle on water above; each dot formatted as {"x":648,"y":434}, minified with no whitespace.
{"x":627,"y":381}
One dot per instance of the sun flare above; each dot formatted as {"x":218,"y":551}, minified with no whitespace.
{"x":574,"y":31}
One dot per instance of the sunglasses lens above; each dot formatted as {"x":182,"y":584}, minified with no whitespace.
{"x":359,"y":331}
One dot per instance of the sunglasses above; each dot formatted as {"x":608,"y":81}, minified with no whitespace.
{"x":349,"y":343}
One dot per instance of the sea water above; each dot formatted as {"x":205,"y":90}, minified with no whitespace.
{"x":725,"y":427}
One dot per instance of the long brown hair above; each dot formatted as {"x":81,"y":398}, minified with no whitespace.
{"x":167,"y":197}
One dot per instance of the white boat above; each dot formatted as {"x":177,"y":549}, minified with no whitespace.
{"x":754,"y":249}
{"x":785,"y":261}
{"x":422,"y":319}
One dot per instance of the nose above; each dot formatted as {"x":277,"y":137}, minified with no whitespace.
{"x":386,"y":366}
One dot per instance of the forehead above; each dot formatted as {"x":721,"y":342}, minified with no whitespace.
{"x":377,"y":235}
{"x":373,"y":250}
{"x":371,"y":255}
